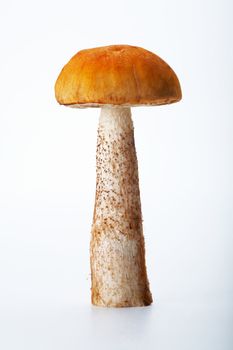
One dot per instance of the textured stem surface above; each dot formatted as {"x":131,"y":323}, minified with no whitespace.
{"x":118,"y":268}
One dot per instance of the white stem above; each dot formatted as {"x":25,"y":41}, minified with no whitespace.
{"x":118,"y":268}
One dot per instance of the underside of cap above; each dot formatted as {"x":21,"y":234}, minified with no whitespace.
{"x":117,"y":75}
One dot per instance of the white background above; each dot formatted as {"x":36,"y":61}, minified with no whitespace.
{"x":47,"y":178}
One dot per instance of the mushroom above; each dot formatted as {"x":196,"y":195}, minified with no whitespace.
{"x":116,"y":78}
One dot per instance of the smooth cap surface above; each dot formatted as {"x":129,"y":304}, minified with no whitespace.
{"x":116,"y":75}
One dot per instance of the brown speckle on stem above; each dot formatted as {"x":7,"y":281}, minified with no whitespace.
{"x":118,"y":269}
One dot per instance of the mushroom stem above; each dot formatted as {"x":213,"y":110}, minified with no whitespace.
{"x":118,"y":269}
